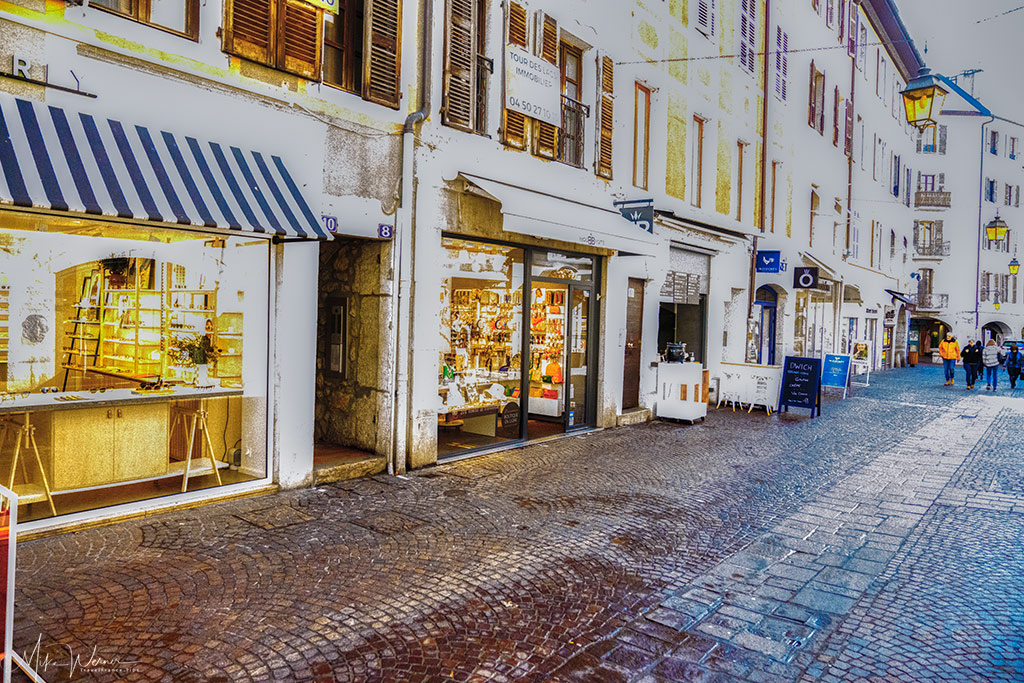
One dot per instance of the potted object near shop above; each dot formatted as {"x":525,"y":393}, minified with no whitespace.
{"x":199,"y":351}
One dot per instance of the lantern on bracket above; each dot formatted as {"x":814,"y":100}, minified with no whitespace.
{"x":996,"y":229}
{"x":923,"y":98}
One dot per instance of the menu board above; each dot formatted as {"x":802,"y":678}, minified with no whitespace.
{"x":801,"y":384}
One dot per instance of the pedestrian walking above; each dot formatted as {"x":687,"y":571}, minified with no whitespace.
{"x":949,"y":351}
{"x":992,"y":358}
{"x":971,"y":356}
{"x":1014,"y":364}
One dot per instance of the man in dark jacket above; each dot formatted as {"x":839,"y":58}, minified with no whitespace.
{"x":1014,"y":365}
{"x":971,"y":356}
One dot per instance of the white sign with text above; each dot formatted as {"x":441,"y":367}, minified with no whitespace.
{"x":532,"y":86}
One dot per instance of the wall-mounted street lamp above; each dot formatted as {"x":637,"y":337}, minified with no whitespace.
{"x":923,"y":98}
{"x":1014,"y":265}
{"x":996,"y":229}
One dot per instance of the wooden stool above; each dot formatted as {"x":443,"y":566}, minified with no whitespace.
{"x":27,"y":492}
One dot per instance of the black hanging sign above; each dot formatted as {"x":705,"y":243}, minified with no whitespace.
{"x":801,"y":384}
{"x":805,"y":278}
{"x":639,"y":212}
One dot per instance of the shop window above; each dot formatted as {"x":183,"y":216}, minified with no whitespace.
{"x":480,"y":364}
{"x":140,"y":366}
{"x":555,"y":264}
{"x":177,"y":16}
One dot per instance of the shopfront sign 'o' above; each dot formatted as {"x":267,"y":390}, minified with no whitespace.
{"x":532,"y":86}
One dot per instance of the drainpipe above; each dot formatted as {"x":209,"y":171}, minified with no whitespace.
{"x":766,"y":63}
{"x":849,"y":198}
{"x":401,"y":253}
{"x":981,"y":228}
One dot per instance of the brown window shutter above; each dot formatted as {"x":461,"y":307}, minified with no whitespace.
{"x":382,"y":52}
{"x":607,"y":120}
{"x":248,"y":29}
{"x":812,"y":114}
{"x":546,"y":144}
{"x":299,"y":37}
{"x":848,"y":149}
{"x":835,"y":119}
{"x":460,"y":64}
{"x":514,"y":125}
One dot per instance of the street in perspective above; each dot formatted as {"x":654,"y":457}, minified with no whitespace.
{"x":511,"y":340}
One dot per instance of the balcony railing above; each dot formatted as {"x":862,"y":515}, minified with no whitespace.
{"x":570,"y":138}
{"x":934,"y":248}
{"x":934,"y":200}
{"x":929,"y":301}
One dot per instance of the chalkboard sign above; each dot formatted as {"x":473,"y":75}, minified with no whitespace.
{"x":835,"y":371}
{"x":801,"y":384}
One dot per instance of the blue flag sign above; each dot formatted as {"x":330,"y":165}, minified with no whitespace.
{"x":835,"y":371}
{"x":769,"y":261}
{"x":639,"y":212}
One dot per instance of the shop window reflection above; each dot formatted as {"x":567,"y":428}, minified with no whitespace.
{"x":480,"y":364}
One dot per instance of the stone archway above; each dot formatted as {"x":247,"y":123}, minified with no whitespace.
{"x":997,"y":330}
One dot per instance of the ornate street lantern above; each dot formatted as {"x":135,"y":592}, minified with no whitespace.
{"x":1014,"y":266}
{"x":996,"y":229}
{"x":923,"y":98}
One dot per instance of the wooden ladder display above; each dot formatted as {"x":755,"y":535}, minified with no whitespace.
{"x":87,"y":290}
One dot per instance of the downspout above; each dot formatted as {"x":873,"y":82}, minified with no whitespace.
{"x":849,"y":192}
{"x":751,"y":357}
{"x":981,"y":204}
{"x":401,"y":253}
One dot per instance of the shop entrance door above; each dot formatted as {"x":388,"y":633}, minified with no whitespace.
{"x":558,"y":397}
{"x":634,"y":328}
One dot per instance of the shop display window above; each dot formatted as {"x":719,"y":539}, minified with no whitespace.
{"x":133,"y":362}
{"x":480,"y":364}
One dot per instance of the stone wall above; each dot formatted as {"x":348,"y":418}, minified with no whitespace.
{"x":348,"y":406}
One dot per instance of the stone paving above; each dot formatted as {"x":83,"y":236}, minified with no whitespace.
{"x":882,"y":541}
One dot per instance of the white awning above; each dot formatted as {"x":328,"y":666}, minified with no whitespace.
{"x":528,"y":212}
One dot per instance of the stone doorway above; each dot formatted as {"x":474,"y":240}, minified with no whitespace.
{"x":353,"y":368}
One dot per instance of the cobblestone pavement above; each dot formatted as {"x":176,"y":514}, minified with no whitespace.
{"x":882,"y":541}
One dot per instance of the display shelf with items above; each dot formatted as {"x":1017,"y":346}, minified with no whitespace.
{"x":227,"y":339}
{"x":547,"y":352}
{"x":189,"y":311}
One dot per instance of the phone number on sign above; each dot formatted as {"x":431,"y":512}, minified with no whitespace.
{"x":537,"y":111}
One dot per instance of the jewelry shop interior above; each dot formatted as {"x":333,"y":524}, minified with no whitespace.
{"x":518,"y":348}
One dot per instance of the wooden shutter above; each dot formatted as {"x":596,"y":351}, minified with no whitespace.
{"x":514,"y":125}
{"x":606,"y":86}
{"x":299,"y":37}
{"x":835,"y":119}
{"x":941,"y":183}
{"x":852,"y":24}
{"x":842,"y":20}
{"x":704,"y":16}
{"x":382,"y":52}
{"x":937,"y":231}
{"x":917,"y":232}
{"x":546,"y":144}
{"x":748,"y":34}
{"x":942,"y":139}
{"x":781,"y":63}
{"x":460,"y":64}
{"x":249,"y":31}
{"x":848,"y":149}
{"x":812,"y":107}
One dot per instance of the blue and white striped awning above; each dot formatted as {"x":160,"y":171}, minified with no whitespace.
{"x":67,"y":161}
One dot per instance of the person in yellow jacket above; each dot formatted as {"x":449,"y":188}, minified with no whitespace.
{"x":949,"y":350}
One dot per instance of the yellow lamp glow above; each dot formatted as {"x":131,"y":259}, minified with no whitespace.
{"x":1014,"y":266}
{"x":923,"y":99}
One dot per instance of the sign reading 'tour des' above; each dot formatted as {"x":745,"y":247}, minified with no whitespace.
{"x":532,"y":86}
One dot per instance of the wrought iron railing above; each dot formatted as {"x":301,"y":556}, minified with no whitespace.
{"x":934,"y":200}
{"x":570,"y":138}
{"x":930,"y":301}
{"x":933,"y":248}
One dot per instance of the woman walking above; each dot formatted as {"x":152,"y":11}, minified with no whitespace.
{"x":949,"y":350}
{"x":1014,"y":364}
{"x":971,"y":356}
{"x":991,"y":358}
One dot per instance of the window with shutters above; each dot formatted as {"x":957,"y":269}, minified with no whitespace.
{"x":606,"y":119}
{"x":1012,"y":148}
{"x":816,"y":106}
{"x":1007,"y":194}
{"x":781,"y":63}
{"x":283,"y":34}
{"x":862,"y":46}
{"x":574,"y":112}
{"x":706,"y":12}
{"x":841,"y":21}
{"x":343,"y":46}
{"x":993,"y":143}
{"x":926,"y":140}
{"x":180,"y":17}
{"x":926,"y":183}
{"x":830,"y":10}
{"x":990,"y":191}
{"x":641,"y":135}
{"x":815,"y":203}
{"x":748,"y":34}
{"x":852,"y":26}
{"x":467,"y":70}
{"x":697,"y":162}
{"x":545,"y":135}
{"x":897,"y":171}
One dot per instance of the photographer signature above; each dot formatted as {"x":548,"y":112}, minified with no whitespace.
{"x":42,"y":661}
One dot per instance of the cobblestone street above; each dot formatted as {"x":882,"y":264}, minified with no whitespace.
{"x":883,"y":541}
